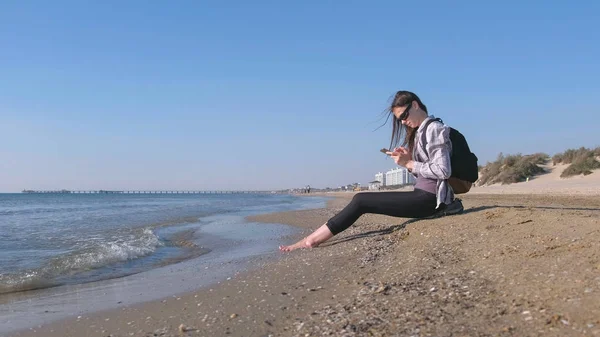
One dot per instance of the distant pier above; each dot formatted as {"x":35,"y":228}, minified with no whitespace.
{"x":142,"y":192}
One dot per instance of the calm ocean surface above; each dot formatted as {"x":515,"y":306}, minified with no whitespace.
{"x":48,"y":240}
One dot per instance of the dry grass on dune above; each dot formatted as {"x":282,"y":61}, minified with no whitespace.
{"x":514,"y":168}
{"x":582,"y":161}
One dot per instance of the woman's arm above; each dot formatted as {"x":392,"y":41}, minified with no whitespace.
{"x":438,"y":149}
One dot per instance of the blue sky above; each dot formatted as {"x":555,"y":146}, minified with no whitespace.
{"x":278,"y":94}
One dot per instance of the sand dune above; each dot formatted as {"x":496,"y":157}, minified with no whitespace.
{"x":548,"y":183}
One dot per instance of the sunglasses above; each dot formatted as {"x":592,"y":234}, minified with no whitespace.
{"x":405,"y":114}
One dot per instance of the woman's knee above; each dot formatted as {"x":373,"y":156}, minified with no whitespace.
{"x":360,"y":198}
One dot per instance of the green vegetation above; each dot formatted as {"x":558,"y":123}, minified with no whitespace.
{"x":512,"y":168}
{"x":582,"y":161}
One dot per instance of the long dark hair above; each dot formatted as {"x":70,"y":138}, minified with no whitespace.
{"x":401,"y":99}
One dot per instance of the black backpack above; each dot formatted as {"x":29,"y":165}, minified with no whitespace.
{"x":464,"y":162}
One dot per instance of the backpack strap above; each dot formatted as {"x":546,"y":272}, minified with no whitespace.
{"x":423,"y":136}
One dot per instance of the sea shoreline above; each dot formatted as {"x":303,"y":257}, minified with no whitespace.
{"x":509,"y":265}
{"x":230,"y":244}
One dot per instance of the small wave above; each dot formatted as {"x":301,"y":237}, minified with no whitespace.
{"x":70,"y":208}
{"x":58,"y":269}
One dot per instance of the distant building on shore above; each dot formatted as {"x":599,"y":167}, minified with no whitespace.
{"x":381,"y":178}
{"x":399,"y":176}
{"x":374,"y":185}
{"x":395,"y":176}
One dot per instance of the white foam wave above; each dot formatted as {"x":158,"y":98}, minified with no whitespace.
{"x":96,"y":255}
{"x":119,"y":250}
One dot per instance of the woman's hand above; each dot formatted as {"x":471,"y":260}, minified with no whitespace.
{"x":402,"y":157}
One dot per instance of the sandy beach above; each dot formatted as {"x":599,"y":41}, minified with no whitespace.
{"x":512,"y":264}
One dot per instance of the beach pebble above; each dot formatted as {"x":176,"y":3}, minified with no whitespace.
{"x":160,"y":332}
{"x":233,"y":316}
{"x":183,"y":328}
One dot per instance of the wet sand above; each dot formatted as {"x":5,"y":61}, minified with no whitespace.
{"x":510,"y":265}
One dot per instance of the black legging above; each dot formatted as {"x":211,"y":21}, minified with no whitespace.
{"x":413,"y":204}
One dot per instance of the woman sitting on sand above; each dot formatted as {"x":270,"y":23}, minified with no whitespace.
{"x":431,"y":166}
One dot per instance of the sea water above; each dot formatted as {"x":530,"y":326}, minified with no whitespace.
{"x":75,"y":244}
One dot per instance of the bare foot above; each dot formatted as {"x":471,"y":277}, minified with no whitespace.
{"x":304,"y":243}
{"x":313,"y":240}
